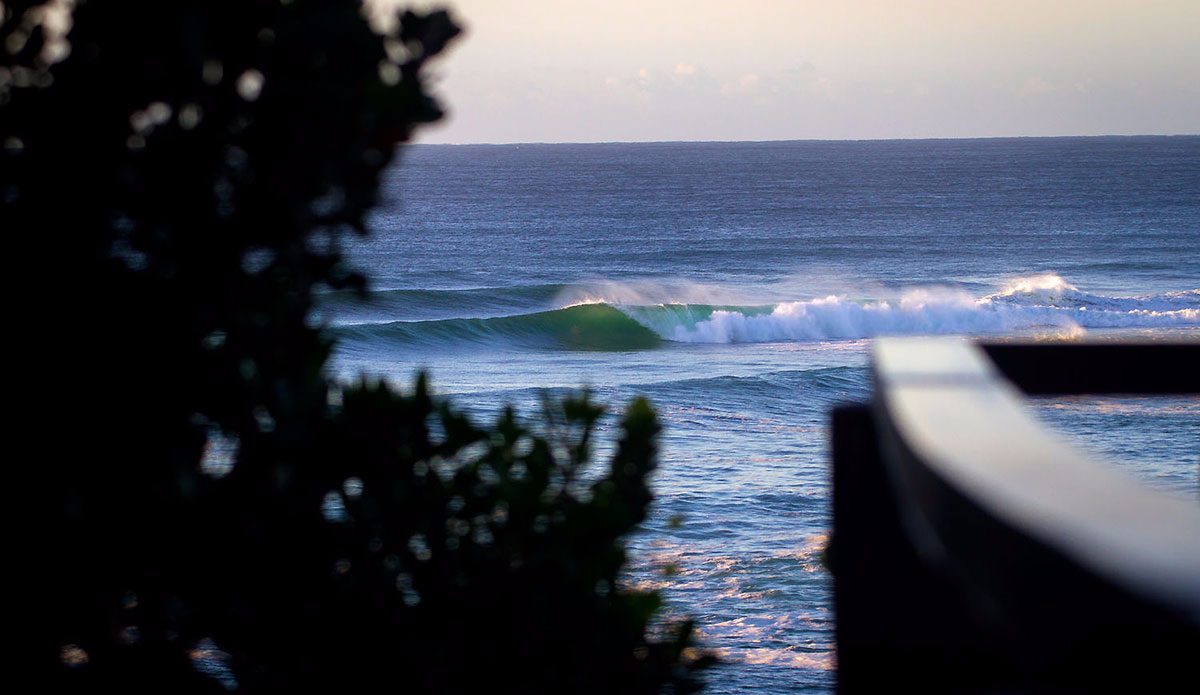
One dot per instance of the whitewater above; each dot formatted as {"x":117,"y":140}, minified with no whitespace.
{"x":738,"y":286}
{"x":1046,"y":305}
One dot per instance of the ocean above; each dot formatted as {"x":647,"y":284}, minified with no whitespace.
{"x":738,"y":286}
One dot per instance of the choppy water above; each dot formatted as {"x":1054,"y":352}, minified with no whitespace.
{"x":738,"y":285}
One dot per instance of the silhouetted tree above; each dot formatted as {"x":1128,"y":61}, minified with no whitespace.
{"x":204,"y":509}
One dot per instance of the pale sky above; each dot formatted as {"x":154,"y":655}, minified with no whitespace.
{"x":645,"y":70}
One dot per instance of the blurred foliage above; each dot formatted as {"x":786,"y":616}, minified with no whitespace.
{"x":205,"y":509}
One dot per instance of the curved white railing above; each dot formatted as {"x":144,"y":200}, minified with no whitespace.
{"x":953,"y":410}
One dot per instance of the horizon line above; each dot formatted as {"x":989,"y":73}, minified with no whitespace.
{"x":415,"y":141}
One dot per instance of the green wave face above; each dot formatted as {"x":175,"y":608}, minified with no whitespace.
{"x":580,"y":327}
{"x":593,"y":327}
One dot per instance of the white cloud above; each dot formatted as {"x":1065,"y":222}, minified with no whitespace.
{"x":1036,"y":85}
{"x":826,"y":87}
{"x":746,"y":84}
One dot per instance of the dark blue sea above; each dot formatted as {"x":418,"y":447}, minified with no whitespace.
{"x":739,"y":286}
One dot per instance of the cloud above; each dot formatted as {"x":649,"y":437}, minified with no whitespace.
{"x":746,"y":84}
{"x":826,"y":87}
{"x":685,"y":69}
{"x":1036,"y":85}
{"x":802,"y":68}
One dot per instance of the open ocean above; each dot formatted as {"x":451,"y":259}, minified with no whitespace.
{"x":738,"y":286}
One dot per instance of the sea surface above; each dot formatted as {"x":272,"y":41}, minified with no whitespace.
{"x":738,"y":286}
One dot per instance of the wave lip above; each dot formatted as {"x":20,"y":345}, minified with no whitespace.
{"x":347,"y":308}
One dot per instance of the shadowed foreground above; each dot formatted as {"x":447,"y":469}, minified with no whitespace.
{"x":208,"y":511}
{"x":1014,"y":563}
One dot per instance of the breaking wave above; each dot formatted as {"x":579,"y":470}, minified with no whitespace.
{"x":1040,"y":304}
{"x":581,"y":327}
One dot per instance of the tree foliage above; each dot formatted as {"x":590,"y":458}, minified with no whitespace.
{"x":206,"y":509}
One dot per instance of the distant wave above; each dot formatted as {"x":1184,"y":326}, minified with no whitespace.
{"x":1044,"y":303}
{"x":763,"y":392}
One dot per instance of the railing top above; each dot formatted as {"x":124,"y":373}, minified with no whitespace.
{"x":954,"y":409}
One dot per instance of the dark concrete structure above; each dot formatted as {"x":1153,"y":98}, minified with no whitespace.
{"x":975,"y":552}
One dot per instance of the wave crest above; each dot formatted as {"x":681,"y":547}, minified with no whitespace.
{"x":1045,"y":304}
{"x":579,"y":327}
{"x":601,"y":321}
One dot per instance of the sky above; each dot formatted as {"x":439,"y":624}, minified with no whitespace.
{"x":669,"y":70}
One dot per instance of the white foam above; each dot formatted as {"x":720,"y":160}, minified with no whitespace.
{"x":1048,"y":286}
{"x":1043,"y":304}
{"x":649,"y":292}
